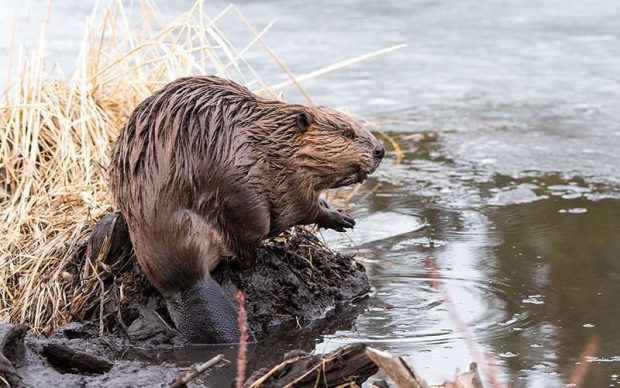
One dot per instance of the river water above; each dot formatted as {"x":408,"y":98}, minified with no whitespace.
{"x":497,"y":237}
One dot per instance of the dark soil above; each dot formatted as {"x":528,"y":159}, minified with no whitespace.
{"x":298,"y":290}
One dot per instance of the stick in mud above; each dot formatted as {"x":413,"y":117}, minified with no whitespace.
{"x":181,"y":381}
{"x":64,"y":357}
{"x":350,"y":366}
{"x":405,"y":376}
{"x":395,"y":366}
{"x":345,"y":366}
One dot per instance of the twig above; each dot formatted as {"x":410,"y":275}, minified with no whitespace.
{"x":103,"y":253}
{"x":344,"y":365}
{"x":400,"y":155}
{"x":278,"y":61}
{"x":395,"y":366}
{"x":195,"y":371}
{"x":243,"y":340}
{"x":332,"y":67}
{"x":469,"y":379}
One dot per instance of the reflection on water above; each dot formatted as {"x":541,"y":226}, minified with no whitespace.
{"x":531,"y":266}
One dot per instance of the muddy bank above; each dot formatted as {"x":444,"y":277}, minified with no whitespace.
{"x":26,"y":361}
{"x":298,"y":290}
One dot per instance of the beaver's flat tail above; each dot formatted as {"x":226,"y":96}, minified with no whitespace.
{"x":204,"y":313}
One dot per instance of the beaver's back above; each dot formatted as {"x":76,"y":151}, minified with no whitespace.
{"x":171,"y":137}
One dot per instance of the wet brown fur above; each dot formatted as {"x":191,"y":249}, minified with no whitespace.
{"x":205,"y":169}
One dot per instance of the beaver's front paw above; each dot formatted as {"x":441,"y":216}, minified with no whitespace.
{"x":337,"y":220}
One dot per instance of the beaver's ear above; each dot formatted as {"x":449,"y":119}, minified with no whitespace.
{"x":303,"y":121}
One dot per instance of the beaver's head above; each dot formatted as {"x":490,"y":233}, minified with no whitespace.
{"x":335,"y":148}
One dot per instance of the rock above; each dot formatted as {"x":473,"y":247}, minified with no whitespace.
{"x":12,"y":351}
{"x":114,"y":227}
{"x":147,"y":325}
{"x":74,"y":330}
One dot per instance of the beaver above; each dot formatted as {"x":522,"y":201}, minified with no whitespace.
{"x":205,"y":170}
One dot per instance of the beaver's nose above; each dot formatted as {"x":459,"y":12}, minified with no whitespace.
{"x":379,"y":151}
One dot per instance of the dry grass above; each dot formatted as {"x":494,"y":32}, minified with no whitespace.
{"x":55,"y":135}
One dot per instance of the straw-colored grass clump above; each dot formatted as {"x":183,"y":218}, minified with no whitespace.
{"x":55,"y":135}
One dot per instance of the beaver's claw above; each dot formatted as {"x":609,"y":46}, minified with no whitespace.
{"x":337,"y":220}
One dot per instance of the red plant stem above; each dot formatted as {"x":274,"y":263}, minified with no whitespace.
{"x":243,"y":340}
{"x":484,"y":359}
{"x":582,"y":369}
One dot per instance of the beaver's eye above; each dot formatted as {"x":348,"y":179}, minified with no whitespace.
{"x":349,"y":134}
{"x":303,"y":121}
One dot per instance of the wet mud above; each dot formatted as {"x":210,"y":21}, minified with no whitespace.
{"x":299,"y":289}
